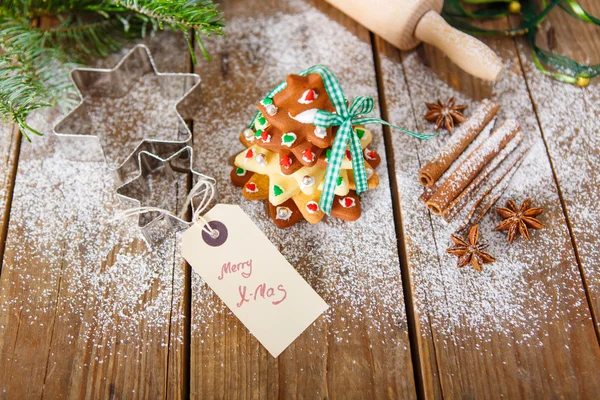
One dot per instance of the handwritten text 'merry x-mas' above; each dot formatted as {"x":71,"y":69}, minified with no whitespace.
{"x":260,"y":292}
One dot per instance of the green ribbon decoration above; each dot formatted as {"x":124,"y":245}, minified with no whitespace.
{"x":345,"y":118}
{"x":565,"y":69}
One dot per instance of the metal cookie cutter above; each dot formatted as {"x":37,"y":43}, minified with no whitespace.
{"x":126,"y":110}
{"x":151,"y":193}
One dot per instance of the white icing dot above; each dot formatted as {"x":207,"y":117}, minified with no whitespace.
{"x":320,"y":132}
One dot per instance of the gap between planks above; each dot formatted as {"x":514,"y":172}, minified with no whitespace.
{"x":411,"y":320}
{"x":563,"y":203}
{"x":12,"y":163}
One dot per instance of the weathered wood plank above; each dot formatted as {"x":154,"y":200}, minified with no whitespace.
{"x":359,"y":348}
{"x":10,"y":142}
{"x":85,"y":309}
{"x":521,"y":328}
{"x":570,"y":119}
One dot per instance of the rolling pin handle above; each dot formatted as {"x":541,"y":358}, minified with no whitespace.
{"x":468,"y":53}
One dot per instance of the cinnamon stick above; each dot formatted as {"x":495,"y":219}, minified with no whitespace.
{"x":449,"y":212}
{"x":471,"y":166}
{"x":484,"y":134}
{"x":461,"y":139}
{"x":495,"y":189}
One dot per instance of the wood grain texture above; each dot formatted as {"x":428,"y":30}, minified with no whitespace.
{"x":10,"y":143}
{"x":522,"y":328}
{"x":569,"y":117}
{"x":359,"y":348}
{"x":86,"y":311}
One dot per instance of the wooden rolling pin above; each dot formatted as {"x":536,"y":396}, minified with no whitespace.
{"x":406,"y":23}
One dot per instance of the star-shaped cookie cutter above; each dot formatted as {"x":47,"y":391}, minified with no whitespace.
{"x":94,"y":85}
{"x":138,"y":193}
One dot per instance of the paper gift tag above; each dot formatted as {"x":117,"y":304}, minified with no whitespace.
{"x":253,"y":279}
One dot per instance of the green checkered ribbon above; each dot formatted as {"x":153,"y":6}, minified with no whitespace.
{"x":345,"y":118}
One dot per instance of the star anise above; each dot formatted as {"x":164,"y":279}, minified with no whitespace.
{"x":517,"y":220}
{"x":471,"y":251}
{"x":446,"y":115}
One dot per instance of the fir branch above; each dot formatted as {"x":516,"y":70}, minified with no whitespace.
{"x":184,"y":15}
{"x":41,"y":40}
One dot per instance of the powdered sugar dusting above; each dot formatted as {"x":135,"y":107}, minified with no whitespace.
{"x":73,"y":274}
{"x":523,"y":293}
{"x":570,"y":119}
{"x":112,"y":286}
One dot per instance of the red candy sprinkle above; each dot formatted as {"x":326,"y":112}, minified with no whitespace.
{"x":348,"y":156}
{"x":251,"y":187}
{"x":370,"y":154}
{"x":310,"y":96}
{"x":249,"y":153}
{"x":312,"y":206}
{"x":308,"y":155}
{"x":285,"y":161}
{"x":347,"y":202}
{"x":264,"y":135}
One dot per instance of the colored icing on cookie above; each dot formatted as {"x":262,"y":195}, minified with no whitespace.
{"x":261,"y":123}
{"x":265,"y":136}
{"x":370,"y":154}
{"x":308,"y":97}
{"x":277,"y":190}
{"x":347,"y":202}
{"x":285,"y":161}
{"x":308,"y":156}
{"x":288,"y":139}
{"x":251,"y":187}
{"x":240,"y":171}
{"x":306,"y":117}
{"x":312,"y":207}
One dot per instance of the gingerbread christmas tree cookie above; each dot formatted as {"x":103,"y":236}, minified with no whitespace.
{"x":307,"y":151}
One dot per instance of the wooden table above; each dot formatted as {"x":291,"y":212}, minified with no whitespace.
{"x":87,"y":311}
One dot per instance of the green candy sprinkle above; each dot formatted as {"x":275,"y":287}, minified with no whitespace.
{"x":240,"y":171}
{"x":327,"y":154}
{"x":360,"y":133}
{"x":258,"y":133}
{"x":277,"y":190}
{"x":287,"y":138}
{"x":267,"y":100}
{"x":340,"y":180}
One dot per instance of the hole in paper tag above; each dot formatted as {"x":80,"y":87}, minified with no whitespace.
{"x":219,"y":238}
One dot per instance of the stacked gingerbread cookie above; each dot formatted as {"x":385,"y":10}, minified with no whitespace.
{"x":286,"y":156}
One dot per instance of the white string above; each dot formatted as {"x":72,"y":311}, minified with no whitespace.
{"x":203,"y":185}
